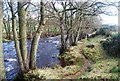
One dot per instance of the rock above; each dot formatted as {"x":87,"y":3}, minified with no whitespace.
{"x":90,"y":46}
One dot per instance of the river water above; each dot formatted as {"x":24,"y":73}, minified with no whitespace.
{"x":46,"y":55}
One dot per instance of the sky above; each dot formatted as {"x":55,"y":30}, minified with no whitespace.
{"x":110,"y":19}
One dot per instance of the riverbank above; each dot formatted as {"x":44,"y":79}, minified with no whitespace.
{"x":81,"y":62}
{"x":73,"y":61}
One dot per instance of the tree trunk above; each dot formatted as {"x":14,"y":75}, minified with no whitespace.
{"x":8,"y":25}
{"x":63,"y":48}
{"x":71,"y":41}
{"x":77,"y":33}
{"x":76,"y":36}
{"x":17,"y":44}
{"x":22,"y":33}
{"x":20,"y":61}
{"x":34,"y":45}
{"x":2,"y":68}
{"x":71,"y":25}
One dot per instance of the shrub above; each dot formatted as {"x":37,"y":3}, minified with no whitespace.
{"x":112,"y":45}
{"x":104,"y":31}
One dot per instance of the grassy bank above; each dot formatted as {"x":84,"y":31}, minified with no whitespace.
{"x":95,"y":53}
{"x":104,"y":66}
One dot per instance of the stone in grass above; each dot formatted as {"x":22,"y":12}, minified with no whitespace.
{"x":90,"y":46}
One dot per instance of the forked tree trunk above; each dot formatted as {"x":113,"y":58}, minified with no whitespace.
{"x":17,"y":44}
{"x":34,"y":45}
{"x":2,"y":68}
{"x":22,"y":33}
{"x":20,"y":61}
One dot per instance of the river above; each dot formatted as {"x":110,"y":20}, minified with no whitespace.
{"x":47,"y":54}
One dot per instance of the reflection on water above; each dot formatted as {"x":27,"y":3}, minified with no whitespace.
{"x":46,"y":55}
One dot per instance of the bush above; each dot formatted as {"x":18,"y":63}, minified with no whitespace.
{"x":112,"y":45}
{"x":104,"y":31}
